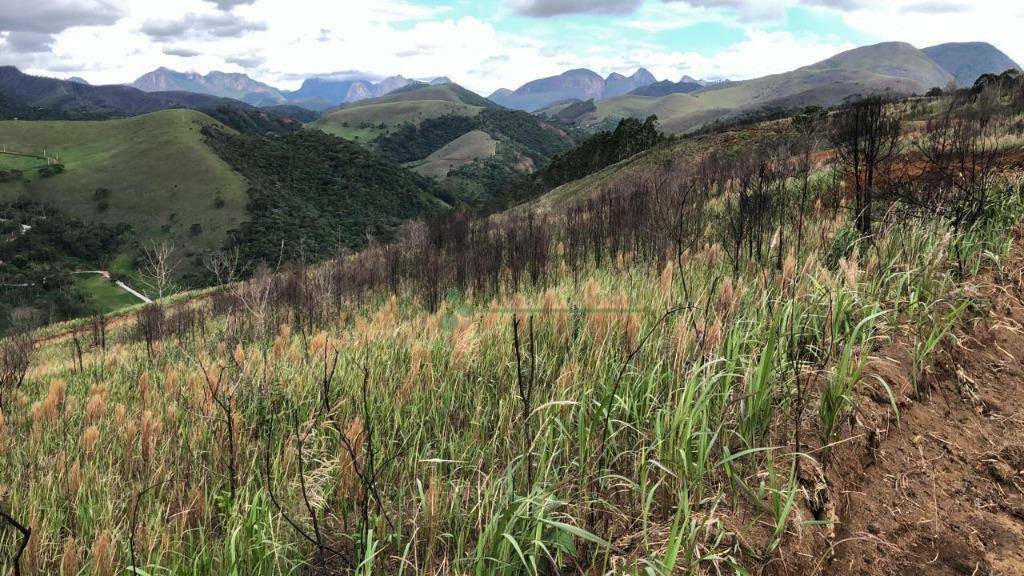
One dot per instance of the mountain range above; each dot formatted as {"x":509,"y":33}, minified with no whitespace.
{"x":579,"y":84}
{"x":223,"y":84}
{"x":39,"y":98}
{"x":580,"y":96}
{"x":317,"y":94}
{"x":896,"y":68}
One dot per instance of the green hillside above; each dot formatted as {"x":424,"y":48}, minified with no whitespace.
{"x":463,"y":150}
{"x":890,"y":67}
{"x":312,"y":193}
{"x":428,"y":128}
{"x":369,"y":119}
{"x":154,"y":172}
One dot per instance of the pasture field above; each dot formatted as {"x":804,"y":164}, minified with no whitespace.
{"x":365,"y":122}
{"x":152,"y":171}
{"x":460,"y":152}
{"x":103,"y":295}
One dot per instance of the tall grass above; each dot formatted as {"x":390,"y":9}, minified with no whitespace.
{"x":396,"y":436}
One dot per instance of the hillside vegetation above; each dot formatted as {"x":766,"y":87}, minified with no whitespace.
{"x":894,"y":68}
{"x":465,"y":149}
{"x":38,"y":249}
{"x":367,"y":119}
{"x":154,"y":172}
{"x":666,"y":376}
{"x":426,"y":128}
{"x":312,"y":194}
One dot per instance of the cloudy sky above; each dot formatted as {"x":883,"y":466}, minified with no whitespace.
{"x":483,"y":44}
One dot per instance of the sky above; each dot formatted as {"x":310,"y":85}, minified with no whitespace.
{"x":482,"y":44}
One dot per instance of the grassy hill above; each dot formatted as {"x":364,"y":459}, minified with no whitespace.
{"x":369,"y":119}
{"x":427,"y":127}
{"x":967,"y":61}
{"x":154,"y":172}
{"x":463,"y":150}
{"x":892,"y":67}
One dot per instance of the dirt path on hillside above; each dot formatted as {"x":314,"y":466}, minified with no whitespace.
{"x":942,"y":491}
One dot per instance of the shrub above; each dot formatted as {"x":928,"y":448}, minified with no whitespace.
{"x":51,"y":170}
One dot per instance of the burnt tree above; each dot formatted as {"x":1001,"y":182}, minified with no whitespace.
{"x":866,"y":138}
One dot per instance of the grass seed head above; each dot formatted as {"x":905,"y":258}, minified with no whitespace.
{"x":665,"y":282}
{"x":463,"y":340}
{"x":103,"y":554}
{"x":70,"y":560}
{"x":90,"y":437}
{"x":74,"y":480}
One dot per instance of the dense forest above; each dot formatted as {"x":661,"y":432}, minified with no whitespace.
{"x":414,"y":142}
{"x":38,"y":249}
{"x":601,"y":150}
{"x":520,"y":130}
{"x":311,"y":194}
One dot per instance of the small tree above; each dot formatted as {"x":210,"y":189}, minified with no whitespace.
{"x":960,"y":147}
{"x":16,"y":351}
{"x":866,"y":138}
{"x":810,"y":127}
{"x":226,"y":266}
{"x":158,"y":265}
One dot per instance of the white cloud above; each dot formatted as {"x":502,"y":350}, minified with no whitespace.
{"x":926,"y":23}
{"x":283,"y":41}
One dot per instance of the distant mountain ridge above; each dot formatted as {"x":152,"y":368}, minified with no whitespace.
{"x":83,"y":101}
{"x":316,"y":93}
{"x":579,"y":84}
{"x":893,"y":68}
{"x":967,"y":61}
{"x":30,"y":97}
{"x":223,"y":84}
{"x":666,"y":87}
{"x":324,"y":93}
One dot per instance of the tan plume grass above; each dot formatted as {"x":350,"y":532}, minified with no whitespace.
{"x":682,"y":341}
{"x":90,"y":437}
{"x":348,"y":479}
{"x":419,"y":357}
{"x":629,"y":323}
{"x":727,"y":297}
{"x":463,"y":341}
{"x":150,"y":430}
{"x":103,"y":554}
{"x":74,"y":479}
{"x":238,"y":355}
{"x":714,"y":255}
{"x":71,"y":559}
{"x":789,"y":271}
{"x":386,"y":319}
{"x":850,"y":271}
{"x":96,"y":405}
{"x":55,"y":396}
{"x":171,"y":381}
{"x":666,"y":280}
